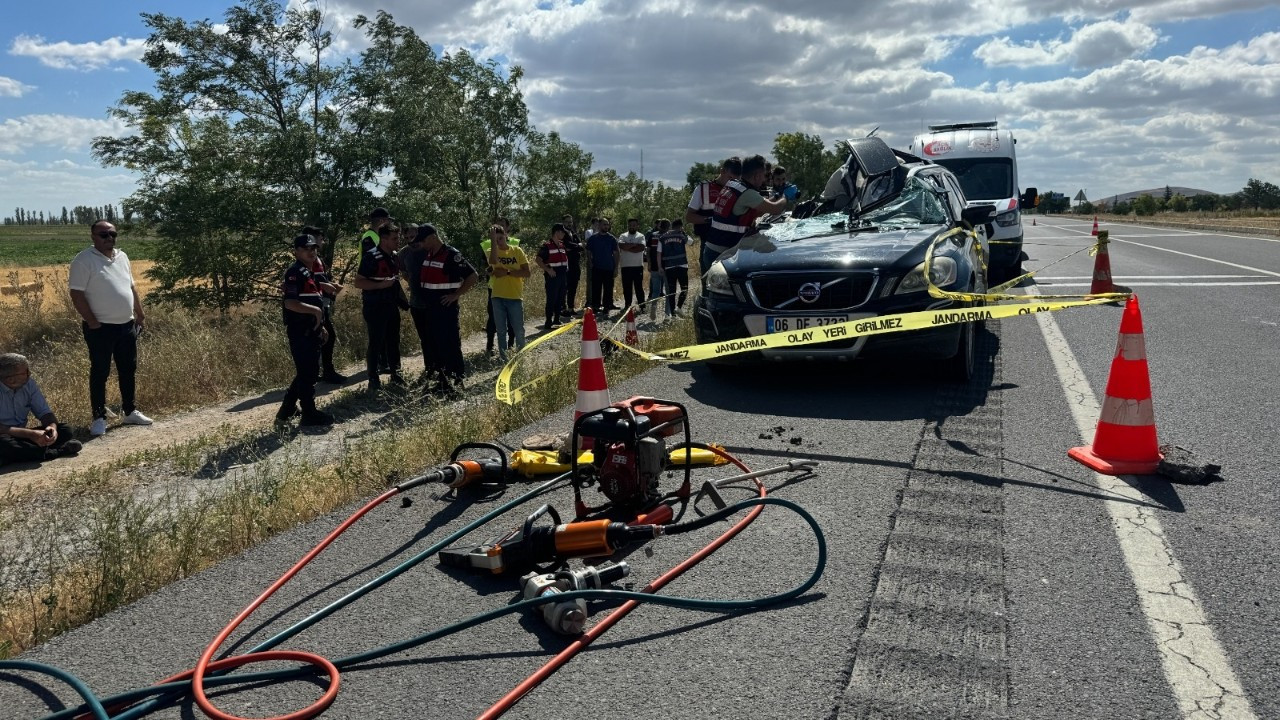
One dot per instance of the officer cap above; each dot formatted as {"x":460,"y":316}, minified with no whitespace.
{"x":379,"y":212}
{"x":305,"y":241}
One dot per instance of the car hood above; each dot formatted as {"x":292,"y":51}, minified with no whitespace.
{"x":813,"y":244}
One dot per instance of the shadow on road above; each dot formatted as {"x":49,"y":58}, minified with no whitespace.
{"x":877,"y":390}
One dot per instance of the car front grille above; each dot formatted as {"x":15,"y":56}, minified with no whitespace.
{"x":838,"y":291}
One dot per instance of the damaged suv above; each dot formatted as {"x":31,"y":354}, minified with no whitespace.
{"x":857,"y":251}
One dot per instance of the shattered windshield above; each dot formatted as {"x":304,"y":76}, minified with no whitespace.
{"x":918,"y":204}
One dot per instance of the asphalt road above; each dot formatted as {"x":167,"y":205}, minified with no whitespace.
{"x":974,"y":570}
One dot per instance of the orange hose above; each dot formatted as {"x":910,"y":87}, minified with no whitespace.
{"x":528,"y":684}
{"x":206,"y":663}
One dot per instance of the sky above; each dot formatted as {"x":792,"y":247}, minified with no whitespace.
{"x":1102,"y":95}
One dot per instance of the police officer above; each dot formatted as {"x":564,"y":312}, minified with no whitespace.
{"x":445,"y":276}
{"x":377,"y":219}
{"x":304,"y":320}
{"x":329,"y":289}
{"x":379,"y":281}
{"x":738,"y":205}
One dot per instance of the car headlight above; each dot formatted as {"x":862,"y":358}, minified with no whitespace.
{"x":942,"y":271}
{"x":1005,"y":219}
{"x":717,"y":280}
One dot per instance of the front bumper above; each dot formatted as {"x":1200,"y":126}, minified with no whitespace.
{"x":719,"y":318}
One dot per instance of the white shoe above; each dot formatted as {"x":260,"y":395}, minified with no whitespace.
{"x":136,"y":418}
{"x":98,"y":427}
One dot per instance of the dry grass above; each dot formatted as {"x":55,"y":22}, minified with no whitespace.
{"x":185,"y":358}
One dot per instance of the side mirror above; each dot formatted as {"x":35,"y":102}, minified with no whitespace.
{"x":1030,"y":198}
{"x":978,"y":215}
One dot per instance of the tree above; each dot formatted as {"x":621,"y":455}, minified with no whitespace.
{"x":808,"y":164}
{"x":1179,"y":203}
{"x":246,"y":102}
{"x":1168,"y":193}
{"x":1204,"y":202}
{"x":1260,"y":195}
{"x":701,"y":172}
{"x":1144,"y":205}
{"x":554,"y":178}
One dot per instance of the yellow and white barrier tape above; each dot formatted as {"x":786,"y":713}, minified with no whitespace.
{"x":878,"y":325}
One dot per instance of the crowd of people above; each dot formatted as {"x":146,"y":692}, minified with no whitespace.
{"x":721,"y":212}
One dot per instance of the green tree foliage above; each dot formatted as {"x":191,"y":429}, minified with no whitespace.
{"x":1260,"y":195}
{"x":1204,"y":202}
{"x":1145,"y":205}
{"x":701,"y":172}
{"x":807,"y":161}
{"x":1179,"y":203}
{"x":554,"y":181}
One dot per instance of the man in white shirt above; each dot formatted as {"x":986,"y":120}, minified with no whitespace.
{"x":103,"y":293}
{"x":631,"y":246}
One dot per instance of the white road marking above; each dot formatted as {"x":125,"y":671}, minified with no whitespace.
{"x":1201,"y":257}
{"x":1227,"y":232}
{"x":1148,"y":277}
{"x":1167,"y":284}
{"x":1195,"y":665}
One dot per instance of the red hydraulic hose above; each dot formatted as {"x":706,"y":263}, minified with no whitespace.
{"x":206,"y":663}
{"x":528,"y":684}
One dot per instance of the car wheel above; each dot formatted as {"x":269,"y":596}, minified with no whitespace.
{"x":960,"y":366}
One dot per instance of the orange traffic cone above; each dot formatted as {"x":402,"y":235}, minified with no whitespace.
{"x":1102,"y":282}
{"x":593,"y":388}
{"x":1125,"y":440}
{"x":632,"y":337}
{"x":1095,"y":225}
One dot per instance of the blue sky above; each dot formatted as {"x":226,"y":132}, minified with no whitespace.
{"x":1104,"y":96}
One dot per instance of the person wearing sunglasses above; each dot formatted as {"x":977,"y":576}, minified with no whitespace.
{"x":104,"y":295}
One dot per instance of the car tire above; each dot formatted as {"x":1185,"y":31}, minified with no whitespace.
{"x":960,"y":367}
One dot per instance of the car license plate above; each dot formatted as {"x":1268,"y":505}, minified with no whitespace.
{"x":788,"y":323}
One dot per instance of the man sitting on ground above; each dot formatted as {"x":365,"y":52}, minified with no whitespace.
{"x":20,"y":397}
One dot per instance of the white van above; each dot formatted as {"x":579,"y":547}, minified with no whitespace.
{"x":983,"y":157}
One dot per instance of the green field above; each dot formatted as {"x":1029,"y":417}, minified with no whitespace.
{"x":28,"y":245}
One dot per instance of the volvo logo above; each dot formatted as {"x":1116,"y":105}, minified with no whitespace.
{"x":809,"y":293}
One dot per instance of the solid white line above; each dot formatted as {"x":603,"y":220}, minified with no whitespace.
{"x":1148,"y":277}
{"x":1169,"y":284}
{"x":1200,"y":257}
{"x":1195,"y":665}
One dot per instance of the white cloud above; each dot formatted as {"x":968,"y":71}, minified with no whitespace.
{"x":64,"y":132}
{"x":13,"y":88}
{"x":78,"y":56}
{"x":1091,"y":46}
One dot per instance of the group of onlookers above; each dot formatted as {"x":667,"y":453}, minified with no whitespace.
{"x":721,"y":212}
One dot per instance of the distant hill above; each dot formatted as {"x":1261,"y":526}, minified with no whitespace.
{"x":1154,"y":192}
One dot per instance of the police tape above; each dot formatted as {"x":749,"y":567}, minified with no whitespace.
{"x":877,"y":325}
{"x":846,"y":330}
{"x":997,"y":293}
{"x":502,"y":388}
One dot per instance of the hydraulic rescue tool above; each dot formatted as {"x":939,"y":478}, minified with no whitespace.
{"x":569,"y":617}
{"x":461,"y":472}
{"x":529,"y":546}
{"x":629,"y":454}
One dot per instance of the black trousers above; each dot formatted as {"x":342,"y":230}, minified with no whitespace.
{"x":555,"y":295}
{"x":633,"y":284}
{"x":304,"y":346}
{"x":382,"y":321}
{"x":440,"y":332}
{"x":674,"y":276}
{"x":18,"y":450}
{"x":109,"y":342}
{"x":601,"y":289}
{"x":491,"y":328}
{"x":571,"y":287}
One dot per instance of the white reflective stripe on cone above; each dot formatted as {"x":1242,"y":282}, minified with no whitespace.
{"x":592,"y":400}
{"x":1132,"y":346}
{"x":1131,"y":413}
{"x":591,"y":350}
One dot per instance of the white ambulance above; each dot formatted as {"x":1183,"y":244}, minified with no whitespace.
{"x":983,"y":158}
